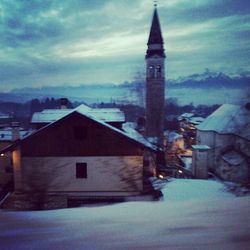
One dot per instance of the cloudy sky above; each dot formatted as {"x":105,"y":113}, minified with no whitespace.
{"x":56,"y":42}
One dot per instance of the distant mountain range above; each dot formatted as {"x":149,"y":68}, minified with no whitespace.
{"x":185,"y":89}
{"x":210,"y":79}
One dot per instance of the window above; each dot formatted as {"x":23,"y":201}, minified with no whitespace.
{"x":81,"y":170}
{"x":80,"y":132}
{"x":158,"y":71}
{"x":151,"y":71}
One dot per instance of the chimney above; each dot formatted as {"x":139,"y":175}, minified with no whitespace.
{"x":15,"y":131}
{"x":64,"y":103}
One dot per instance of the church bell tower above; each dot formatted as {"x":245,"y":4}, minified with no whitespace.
{"x":155,"y":82}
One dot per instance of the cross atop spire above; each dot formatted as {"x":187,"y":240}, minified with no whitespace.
{"x":155,"y":3}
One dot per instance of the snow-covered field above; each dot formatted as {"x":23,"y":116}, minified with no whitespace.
{"x":194,"y":214}
{"x":188,"y":189}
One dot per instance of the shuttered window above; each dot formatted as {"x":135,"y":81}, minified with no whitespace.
{"x":81,"y":170}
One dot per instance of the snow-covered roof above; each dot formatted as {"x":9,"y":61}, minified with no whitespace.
{"x":196,"y":120}
{"x":49,"y":115}
{"x":107,"y":114}
{"x":104,"y":114}
{"x":185,"y":116}
{"x":172,"y":136}
{"x":232,"y":157}
{"x":228,"y":119}
{"x":129,"y":129}
{"x":4,"y":115}
{"x":6,"y":134}
{"x":200,"y":147}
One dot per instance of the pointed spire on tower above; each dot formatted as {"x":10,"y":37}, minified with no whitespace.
{"x":155,"y":82}
{"x":155,"y":36}
{"x":155,"y":40}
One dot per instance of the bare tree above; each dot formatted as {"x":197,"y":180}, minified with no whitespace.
{"x":131,"y":178}
{"x":38,"y":179}
{"x":138,"y":87}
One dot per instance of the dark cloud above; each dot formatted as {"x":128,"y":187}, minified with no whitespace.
{"x":193,"y":13}
{"x":26,"y":23}
{"x":53,"y":41}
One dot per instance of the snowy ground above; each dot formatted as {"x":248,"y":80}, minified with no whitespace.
{"x":193,"y":215}
{"x":188,"y":189}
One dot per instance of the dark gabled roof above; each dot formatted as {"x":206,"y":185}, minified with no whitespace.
{"x":139,"y":141}
{"x":155,"y":36}
{"x":104,"y":114}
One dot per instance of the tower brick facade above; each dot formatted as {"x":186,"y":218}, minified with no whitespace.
{"x":155,"y":82}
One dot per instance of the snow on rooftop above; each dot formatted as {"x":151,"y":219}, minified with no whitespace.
{"x":4,"y":116}
{"x":104,"y":114}
{"x":200,"y":147}
{"x":83,"y":108}
{"x":107,"y":115}
{"x":195,"y":214}
{"x":196,"y":120}
{"x":6,"y":134}
{"x":187,"y":115}
{"x":129,"y":129}
{"x":49,"y":115}
{"x":228,"y":119}
{"x":172,"y":136}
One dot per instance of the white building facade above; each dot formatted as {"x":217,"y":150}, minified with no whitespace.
{"x":227,"y":133}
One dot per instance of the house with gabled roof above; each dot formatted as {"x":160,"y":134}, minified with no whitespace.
{"x":79,"y":157}
{"x":226,"y":133}
{"x":112,"y":116}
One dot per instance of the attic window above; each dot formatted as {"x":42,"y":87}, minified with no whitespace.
{"x":81,"y":170}
{"x":80,"y":132}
